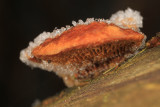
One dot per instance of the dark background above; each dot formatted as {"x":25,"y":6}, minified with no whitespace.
{"x":22,"y":20}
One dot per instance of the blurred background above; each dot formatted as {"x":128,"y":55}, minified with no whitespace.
{"x":22,"y":20}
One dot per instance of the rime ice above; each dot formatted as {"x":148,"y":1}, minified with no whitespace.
{"x":128,"y":19}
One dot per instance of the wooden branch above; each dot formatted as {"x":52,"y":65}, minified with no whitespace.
{"x":135,"y":83}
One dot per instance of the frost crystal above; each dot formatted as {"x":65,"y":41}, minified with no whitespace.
{"x":74,"y":23}
{"x":127,"y":19}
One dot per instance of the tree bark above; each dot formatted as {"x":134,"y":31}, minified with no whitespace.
{"x":136,"y":83}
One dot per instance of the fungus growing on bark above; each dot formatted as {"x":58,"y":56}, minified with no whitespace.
{"x":155,"y":41}
{"x":87,"y":49}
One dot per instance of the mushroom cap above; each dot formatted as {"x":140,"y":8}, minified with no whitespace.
{"x":85,"y":35}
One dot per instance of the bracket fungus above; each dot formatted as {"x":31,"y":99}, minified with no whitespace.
{"x":86,"y":49}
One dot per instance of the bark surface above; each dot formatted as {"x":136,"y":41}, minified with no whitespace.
{"x":136,"y":83}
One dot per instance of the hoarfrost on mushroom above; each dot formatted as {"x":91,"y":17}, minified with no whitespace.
{"x":86,"y":49}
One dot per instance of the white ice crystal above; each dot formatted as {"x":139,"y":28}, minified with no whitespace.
{"x":128,"y":19}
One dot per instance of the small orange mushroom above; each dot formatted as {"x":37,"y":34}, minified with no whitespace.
{"x":155,"y":41}
{"x":85,"y":50}
{"x":88,"y":50}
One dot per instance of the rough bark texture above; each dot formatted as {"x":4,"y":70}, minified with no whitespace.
{"x":136,"y":83}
